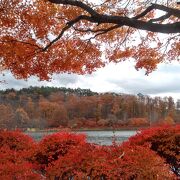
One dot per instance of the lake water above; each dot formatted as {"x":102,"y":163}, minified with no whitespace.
{"x":98,"y":137}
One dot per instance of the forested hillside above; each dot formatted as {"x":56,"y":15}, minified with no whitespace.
{"x":49,"y":107}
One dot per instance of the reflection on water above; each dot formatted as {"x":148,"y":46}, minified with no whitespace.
{"x":98,"y":137}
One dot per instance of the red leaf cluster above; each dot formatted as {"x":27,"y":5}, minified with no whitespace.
{"x":15,"y":149}
{"x":113,"y":162}
{"x":69,"y":156}
{"x":55,"y":146}
{"x":165,"y":140}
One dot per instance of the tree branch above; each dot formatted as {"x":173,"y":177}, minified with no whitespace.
{"x":170,"y":11}
{"x":76,"y":4}
{"x":146,"y":11}
{"x":160,"y":18}
{"x":141,"y":25}
{"x":68,"y":25}
{"x":105,"y":31}
{"x":125,"y":21}
{"x":98,"y":30}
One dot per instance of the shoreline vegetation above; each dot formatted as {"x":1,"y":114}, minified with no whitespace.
{"x":85,"y":129}
{"x":67,"y":155}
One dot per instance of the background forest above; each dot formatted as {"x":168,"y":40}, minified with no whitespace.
{"x":49,"y":107}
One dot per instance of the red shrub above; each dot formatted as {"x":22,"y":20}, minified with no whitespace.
{"x":54,"y":146}
{"x":13,"y":166}
{"x":140,"y":163}
{"x":15,"y":140}
{"x":15,"y":148}
{"x":164,"y":140}
{"x":67,"y":155}
{"x":113,"y":162}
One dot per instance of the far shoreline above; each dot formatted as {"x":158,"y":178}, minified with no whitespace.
{"x":33,"y":130}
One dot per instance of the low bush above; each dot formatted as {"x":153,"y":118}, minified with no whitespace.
{"x":15,"y":140}
{"x":14,"y":167}
{"x":54,"y":146}
{"x":164,"y":140}
{"x":109,"y":162}
{"x":15,"y":150}
{"x":151,"y":154}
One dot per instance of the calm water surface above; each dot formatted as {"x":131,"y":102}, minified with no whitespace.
{"x":98,"y":137}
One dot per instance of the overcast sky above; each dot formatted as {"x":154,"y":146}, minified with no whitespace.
{"x":120,"y":78}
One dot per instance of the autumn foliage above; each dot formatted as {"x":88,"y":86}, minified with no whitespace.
{"x":55,"y":146}
{"x":43,"y":37}
{"x":112,"y":162}
{"x":48,"y":107}
{"x":149,"y":155}
{"x":15,"y":140}
{"x":165,"y":141}
{"x":15,"y":151}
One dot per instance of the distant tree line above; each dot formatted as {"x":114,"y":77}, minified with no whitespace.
{"x":49,"y":107}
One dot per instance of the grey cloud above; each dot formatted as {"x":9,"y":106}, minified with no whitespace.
{"x":65,"y":79}
{"x":57,"y":80}
{"x":148,"y":87}
{"x":165,"y":80}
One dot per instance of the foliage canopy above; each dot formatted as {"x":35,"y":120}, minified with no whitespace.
{"x":53,"y":36}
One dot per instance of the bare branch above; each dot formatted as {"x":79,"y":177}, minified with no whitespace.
{"x":171,"y":11}
{"x":146,"y":11}
{"x":98,"y":30}
{"x":166,"y":16}
{"x":106,"y":31}
{"x":125,"y":38}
